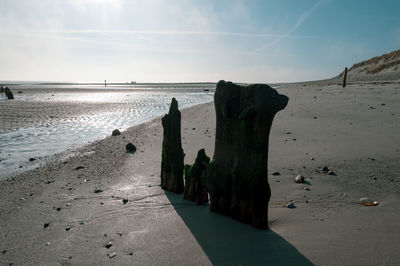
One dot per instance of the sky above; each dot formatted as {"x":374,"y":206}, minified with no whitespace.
{"x":251,"y":41}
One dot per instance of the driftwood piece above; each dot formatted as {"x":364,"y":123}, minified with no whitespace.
{"x":194,"y":179}
{"x":172,"y":153}
{"x":237,"y":179}
{"x":8,"y":93}
{"x":344,"y":77}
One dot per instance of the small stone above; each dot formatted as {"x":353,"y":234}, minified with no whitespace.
{"x":307,"y":188}
{"x":98,"y":190}
{"x":291,"y":205}
{"x":130,"y":253}
{"x":108,"y":245}
{"x":276,"y":173}
{"x":299,"y":179}
{"x":81,"y":223}
{"x":330,"y":172}
{"x":67,"y":228}
{"x":48,"y":244}
{"x":325,"y":169}
{"x":58,"y":209}
{"x":46,"y":225}
{"x":79,"y":168}
{"x":112,"y":255}
{"x":4,"y":251}
{"x":312,"y":159}
{"x":32,"y":159}
{"x":116,"y":132}
{"x":130,"y":147}
{"x":124,"y":201}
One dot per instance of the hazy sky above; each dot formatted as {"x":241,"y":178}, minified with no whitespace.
{"x":188,"y":40}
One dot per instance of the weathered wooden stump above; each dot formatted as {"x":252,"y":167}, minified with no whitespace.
{"x":172,"y":153}
{"x":344,"y":77}
{"x":237,"y":177}
{"x":194,"y":179}
{"x":9,"y":94}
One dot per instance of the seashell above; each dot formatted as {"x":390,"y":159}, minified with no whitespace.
{"x":368,"y":202}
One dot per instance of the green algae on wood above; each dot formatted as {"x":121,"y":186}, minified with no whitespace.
{"x":172,"y":154}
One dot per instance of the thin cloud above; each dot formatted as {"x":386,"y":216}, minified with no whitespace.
{"x":147,"y":32}
{"x":298,"y":23}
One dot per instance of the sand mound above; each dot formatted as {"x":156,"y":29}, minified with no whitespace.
{"x":384,"y":67}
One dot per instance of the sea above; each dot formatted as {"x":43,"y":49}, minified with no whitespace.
{"x":133,"y":104}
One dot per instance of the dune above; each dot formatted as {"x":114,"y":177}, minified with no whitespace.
{"x":385,"y":67}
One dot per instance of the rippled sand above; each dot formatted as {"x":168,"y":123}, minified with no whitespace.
{"x":41,"y":122}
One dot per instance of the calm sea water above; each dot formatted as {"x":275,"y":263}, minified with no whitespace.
{"x":136,"y":104}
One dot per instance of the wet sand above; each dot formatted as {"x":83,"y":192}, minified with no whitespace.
{"x":354,"y":131}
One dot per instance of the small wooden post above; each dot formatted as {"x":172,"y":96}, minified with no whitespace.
{"x":344,"y":77}
{"x":172,"y":153}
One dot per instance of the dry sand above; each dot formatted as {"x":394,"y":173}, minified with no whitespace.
{"x":354,"y":131}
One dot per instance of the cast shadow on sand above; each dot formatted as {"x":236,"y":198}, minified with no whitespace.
{"x":228,"y":242}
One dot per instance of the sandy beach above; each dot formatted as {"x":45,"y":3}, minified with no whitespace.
{"x":52,"y":215}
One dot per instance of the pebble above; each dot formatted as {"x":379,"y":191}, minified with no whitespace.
{"x":67,"y":228}
{"x":130,"y":147}
{"x":325,"y":169}
{"x":46,"y":225}
{"x":108,"y":245}
{"x":276,"y":173}
{"x":112,"y":255}
{"x":124,"y":201}
{"x":299,"y":179}
{"x":116,"y":132}
{"x":98,"y":190}
{"x":32,"y":159}
{"x":291,"y":205}
{"x":307,"y":188}
{"x":79,"y":167}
